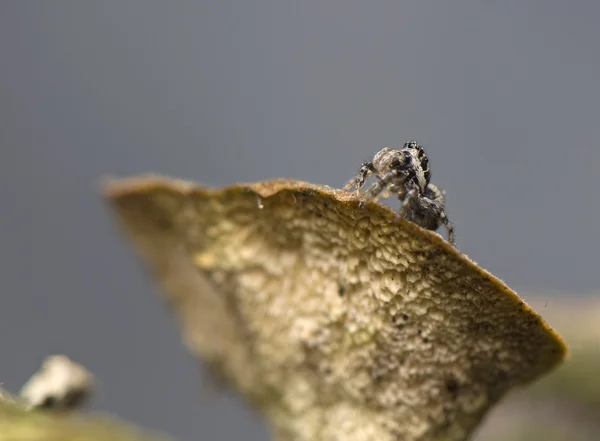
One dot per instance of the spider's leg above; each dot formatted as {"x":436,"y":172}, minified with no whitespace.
{"x":448,"y":226}
{"x":359,"y":180}
{"x":396,"y":189}
{"x":378,"y":187}
{"x":406,"y":199}
{"x":437,"y":199}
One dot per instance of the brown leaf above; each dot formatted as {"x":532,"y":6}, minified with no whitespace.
{"x":335,"y":322}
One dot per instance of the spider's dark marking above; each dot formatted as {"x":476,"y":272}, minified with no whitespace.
{"x":405,"y":172}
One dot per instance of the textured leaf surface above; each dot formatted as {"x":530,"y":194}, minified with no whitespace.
{"x":335,"y":322}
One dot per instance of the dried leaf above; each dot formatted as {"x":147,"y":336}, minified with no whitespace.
{"x":335,"y":322}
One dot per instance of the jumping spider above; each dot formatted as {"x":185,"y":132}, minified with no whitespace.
{"x":406,"y":173}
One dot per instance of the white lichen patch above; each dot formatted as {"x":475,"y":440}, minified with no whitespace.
{"x":60,"y":384}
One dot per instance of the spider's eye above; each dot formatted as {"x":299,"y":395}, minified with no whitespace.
{"x":395,"y":162}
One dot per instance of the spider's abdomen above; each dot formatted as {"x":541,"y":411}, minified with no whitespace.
{"x":427,"y":210}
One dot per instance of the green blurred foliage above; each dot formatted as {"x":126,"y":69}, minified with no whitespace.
{"x":19,"y":424}
{"x":565,"y":405}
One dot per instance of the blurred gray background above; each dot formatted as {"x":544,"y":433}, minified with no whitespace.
{"x":503,"y":95}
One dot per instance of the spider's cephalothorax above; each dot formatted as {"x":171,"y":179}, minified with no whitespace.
{"x":405,"y":172}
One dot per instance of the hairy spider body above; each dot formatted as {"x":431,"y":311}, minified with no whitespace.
{"x":428,"y":211}
{"x":405,"y":172}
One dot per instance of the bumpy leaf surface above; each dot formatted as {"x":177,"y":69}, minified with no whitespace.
{"x":338,"y":323}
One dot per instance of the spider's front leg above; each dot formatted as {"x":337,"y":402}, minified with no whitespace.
{"x":358,"y":181}
{"x":383,"y":182}
{"x":406,"y":199}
